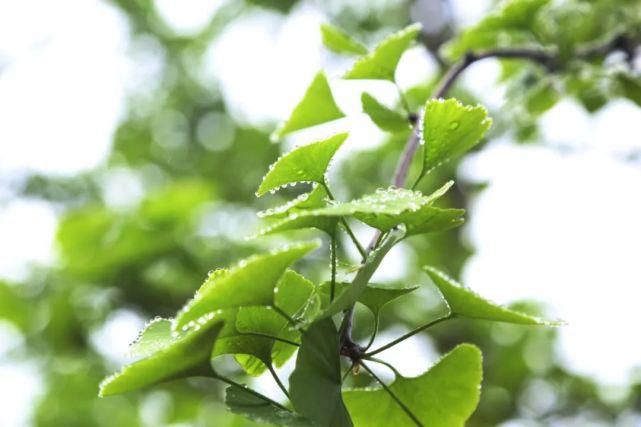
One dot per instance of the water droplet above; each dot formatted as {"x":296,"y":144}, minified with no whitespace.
{"x":454,"y":125}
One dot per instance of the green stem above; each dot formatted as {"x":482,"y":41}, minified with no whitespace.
{"x":393,"y":396}
{"x":404,"y":102}
{"x":349,"y":231}
{"x":371,"y":338}
{"x":409,"y":334}
{"x":382,"y":362}
{"x":289,"y":319}
{"x":280,"y":384}
{"x":250,"y":391}
{"x":271,"y":337}
{"x":333,"y":255}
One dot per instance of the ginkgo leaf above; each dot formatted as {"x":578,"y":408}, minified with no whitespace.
{"x":250,"y":282}
{"x":315,"y":384}
{"x":247,"y":334}
{"x":384,"y":117}
{"x":464,"y":302}
{"x":234,"y":339}
{"x":374,"y":297}
{"x":384,"y":210}
{"x":156,"y":335}
{"x":449,"y":129}
{"x":339,"y":41}
{"x":317,"y":198}
{"x":509,"y":25}
{"x":258,"y":408}
{"x":307,"y":163}
{"x":380,"y":63}
{"x":188,"y":354}
{"x":317,"y":106}
{"x":363,"y":276}
{"x":444,"y":396}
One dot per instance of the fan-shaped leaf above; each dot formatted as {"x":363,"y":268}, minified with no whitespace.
{"x":156,"y":335}
{"x":188,"y":354}
{"x":240,"y":401}
{"x":316,"y":107}
{"x":250,"y":282}
{"x":465,"y":303}
{"x":384,"y":117}
{"x":384,"y":209}
{"x":307,"y":163}
{"x":339,"y":41}
{"x":449,"y":129}
{"x":374,"y":297}
{"x":380,"y":64}
{"x":444,"y":396}
{"x":315,"y":384}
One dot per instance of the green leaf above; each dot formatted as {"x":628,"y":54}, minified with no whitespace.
{"x":384,"y":210}
{"x":384,"y":117}
{"x":444,"y":396}
{"x":156,"y":335}
{"x":338,"y":41}
{"x":317,"y":198}
{"x":240,"y":401}
{"x":317,"y":106}
{"x":464,"y":302}
{"x":374,"y":296}
{"x":511,"y":25}
{"x":315,"y":384}
{"x":188,"y":354}
{"x":380,"y":64}
{"x":363,"y":276}
{"x":307,"y":163}
{"x":250,"y":282}
{"x":449,"y":129}
{"x":247,"y":330}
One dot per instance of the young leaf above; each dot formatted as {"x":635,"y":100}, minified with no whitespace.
{"x":156,"y":335}
{"x":384,"y":209}
{"x":510,"y":25}
{"x":315,"y":384}
{"x":444,"y":396}
{"x":317,"y":198}
{"x":257,"y":408}
{"x":338,"y":41}
{"x":248,"y":338}
{"x":307,"y":163}
{"x":235,"y":339}
{"x":380,"y":64}
{"x":384,"y":117}
{"x":464,"y":302}
{"x":449,"y":129}
{"x":374,"y":297}
{"x":316,"y":107}
{"x":250,"y":282}
{"x":363,"y":276}
{"x":188,"y":354}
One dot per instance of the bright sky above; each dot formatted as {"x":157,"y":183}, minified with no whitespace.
{"x":560,"y":227}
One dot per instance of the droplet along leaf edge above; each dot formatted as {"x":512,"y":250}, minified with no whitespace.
{"x":464,"y":302}
{"x":305,"y":163}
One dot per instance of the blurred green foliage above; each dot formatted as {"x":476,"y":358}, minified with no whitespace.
{"x":199,"y":193}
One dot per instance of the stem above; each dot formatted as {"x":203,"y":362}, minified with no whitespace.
{"x":290,"y":320}
{"x":394,"y":396}
{"x":409,"y":334}
{"x":349,"y":231}
{"x":250,"y":391}
{"x":271,"y":337}
{"x":280,"y":384}
{"x":382,"y":362}
{"x":404,"y":102}
{"x":371,"y":339}
{"x":333,"y":256}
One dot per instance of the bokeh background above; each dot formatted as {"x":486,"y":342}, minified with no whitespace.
{"x":133,"y":134}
